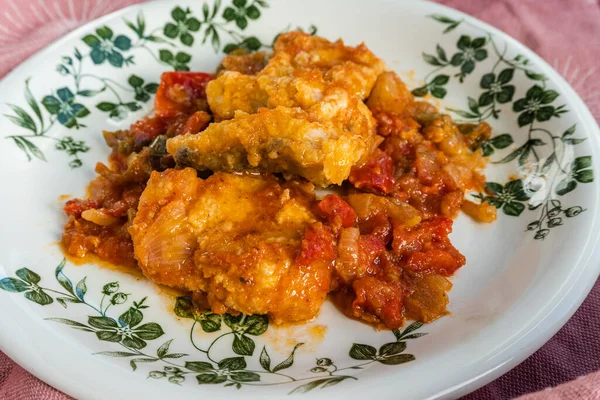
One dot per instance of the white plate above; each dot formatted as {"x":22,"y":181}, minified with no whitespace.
{"x":525,"y":274}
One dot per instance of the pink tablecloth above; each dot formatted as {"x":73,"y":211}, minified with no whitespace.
{"x":564,"y":32}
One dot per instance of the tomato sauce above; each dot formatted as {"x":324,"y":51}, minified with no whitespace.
{"x":390,"y":266}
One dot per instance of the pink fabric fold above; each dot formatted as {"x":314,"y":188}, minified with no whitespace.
{"x":583,"y":388}
{"x":564,"y":32}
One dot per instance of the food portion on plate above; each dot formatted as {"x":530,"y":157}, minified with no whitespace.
{"x":214,"y":194}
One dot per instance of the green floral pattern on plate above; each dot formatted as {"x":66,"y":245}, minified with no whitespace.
{"x":67,"y":105}
{"x":537,"y":106}
{"x":132,"y":335}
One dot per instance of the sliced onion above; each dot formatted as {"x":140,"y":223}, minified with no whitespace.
{"x":401,"y":212}
{"x":98,"y":217}
{"x":348,"y":246}
{"x":347,"y":262}
{"x":367,"y":205}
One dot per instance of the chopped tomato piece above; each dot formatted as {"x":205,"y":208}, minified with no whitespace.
{"x":180,"y":93}
{"x":145,"y":130}
{"x":380,"y":298}
{"x":196,"y":122}
{"x":409,"y":240}
{"x":444,"y":262}
{"x":369,"y":248}
{"x":376,"y":175}
{"x":337,"y":211}
{"x":317,"y":245}
{"x":426,"y":247}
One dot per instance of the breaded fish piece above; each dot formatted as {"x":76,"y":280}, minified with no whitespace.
{"x":303,"y":113}
{"x":301,"y":70}
{"x":281,"y":140}
{"x":354,"y":68}
{"x":250,"y":243}
{"x":238,"y":92}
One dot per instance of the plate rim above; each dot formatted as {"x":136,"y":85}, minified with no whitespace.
{"x":532,"y":337}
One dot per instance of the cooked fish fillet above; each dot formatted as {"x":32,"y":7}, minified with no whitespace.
{"x":252,"y":244}
{"x":303,"y":113}
{"x":300,"y":73}
{"x":280,"y":140}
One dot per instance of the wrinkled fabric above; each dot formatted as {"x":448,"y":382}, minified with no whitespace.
{"x":584,"y":388}
{"x":18,"y":384}
{"x":564,"y":32}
